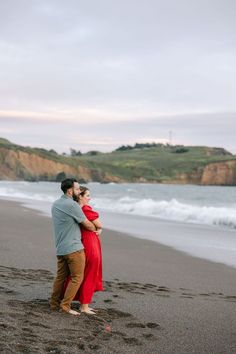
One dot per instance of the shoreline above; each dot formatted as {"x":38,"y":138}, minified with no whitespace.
{"x":207,"y":242}
{"x":157,"y":299}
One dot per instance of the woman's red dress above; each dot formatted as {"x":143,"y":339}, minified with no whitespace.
{"x":93,"y":266}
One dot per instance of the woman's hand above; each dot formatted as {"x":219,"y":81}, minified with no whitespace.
{"x":98,"y":232}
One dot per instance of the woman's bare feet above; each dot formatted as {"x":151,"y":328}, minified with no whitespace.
{"x":89,"y":312}
{"x":86,"y":309}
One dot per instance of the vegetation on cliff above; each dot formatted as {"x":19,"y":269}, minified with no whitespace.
{"x":139,"y":163}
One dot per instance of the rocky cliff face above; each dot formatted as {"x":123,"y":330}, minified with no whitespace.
{"x":16,"y":165}
{"x":220,"y":173}
{"x":22,"y":165}
{"x":217,"y":173}
{"x":187,"y":178}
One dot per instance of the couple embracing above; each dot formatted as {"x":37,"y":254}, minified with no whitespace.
{"x":79,"y":261}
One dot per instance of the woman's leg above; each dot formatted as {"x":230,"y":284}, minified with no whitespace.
{"x":90,"y":278}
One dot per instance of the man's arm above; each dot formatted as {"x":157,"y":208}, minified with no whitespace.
{"x":80,"y":218}
{"x":88,"y":225}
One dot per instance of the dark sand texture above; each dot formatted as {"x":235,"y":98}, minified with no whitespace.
{"x":157,"y":300}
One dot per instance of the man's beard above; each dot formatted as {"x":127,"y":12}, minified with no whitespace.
{"x":75,"y":197}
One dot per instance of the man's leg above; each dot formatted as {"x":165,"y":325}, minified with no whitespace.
{"x":76,"y":264}
{"x":62,"y":273}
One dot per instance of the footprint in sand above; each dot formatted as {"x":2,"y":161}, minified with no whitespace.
{"x":53,"y":350}
{"x":16,"y":315}
{"x":230,"y":298}
{"x":109,"y":301}
{"x":41,"y":325}
{"x":94,"y":346}
{"x":162,"y":295}
{"x":7,"y":327}
{"x":143,"y":325}
{"x":132,"y":341}
{"x":135,"y":325}
{"x":153,"y":325}
{"x":187,"y":296}
{"x":114,"y":313}
{"x":163,"y":288}
{"x":148,"y":336}
{"x":8,"y":291}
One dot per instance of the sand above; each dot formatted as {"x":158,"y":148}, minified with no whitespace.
{"x":157,"y":299}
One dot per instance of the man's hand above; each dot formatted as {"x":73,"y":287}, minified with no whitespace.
{"x":88,"y":225}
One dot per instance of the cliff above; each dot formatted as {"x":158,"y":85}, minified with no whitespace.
{"x":154,"y":164}
{"x":18,"y":165}
{"x":215,"y":174}
{"x":221,"y":173}
{"x":23,"y":165}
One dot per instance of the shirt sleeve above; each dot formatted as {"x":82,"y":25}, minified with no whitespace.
{"x":77,"y":213}
{"x":90,"y":213}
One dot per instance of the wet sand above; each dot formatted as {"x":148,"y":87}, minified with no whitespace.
{"x":157,"y":299}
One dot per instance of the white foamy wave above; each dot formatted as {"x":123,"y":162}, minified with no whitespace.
{"x":12,"y":193}
{"x":171,"y":210}
{"x":184,"y":211}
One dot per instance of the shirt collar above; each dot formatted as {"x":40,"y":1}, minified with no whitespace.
{"x":65,"y":196}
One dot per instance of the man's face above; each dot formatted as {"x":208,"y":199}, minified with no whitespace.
{"x":75,"y":191}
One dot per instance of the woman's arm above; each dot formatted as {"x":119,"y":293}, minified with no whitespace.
{"x":97,"y":223}
{"x":88,"y":225}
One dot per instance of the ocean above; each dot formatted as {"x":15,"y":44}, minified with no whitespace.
{"x":199,"y":220}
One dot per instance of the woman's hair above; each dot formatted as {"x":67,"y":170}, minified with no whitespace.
{"x":83,"y":190}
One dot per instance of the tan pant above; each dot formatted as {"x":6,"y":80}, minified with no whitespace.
{"x":70,"y":264}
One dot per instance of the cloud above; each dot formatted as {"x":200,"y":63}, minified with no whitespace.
{"x":127,"y":70}
{"x":172,"y":54}
{"x":198,"y":129}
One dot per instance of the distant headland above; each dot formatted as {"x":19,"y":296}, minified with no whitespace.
{"x":140,"y":163}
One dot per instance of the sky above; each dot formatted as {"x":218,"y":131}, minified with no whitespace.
{"x":98,"y":74}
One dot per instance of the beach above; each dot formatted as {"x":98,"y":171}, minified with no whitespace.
{"x":156,"y":299}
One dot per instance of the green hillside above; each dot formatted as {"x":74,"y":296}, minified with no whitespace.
{"x":139,"y":163}
{"x":156,"y":163}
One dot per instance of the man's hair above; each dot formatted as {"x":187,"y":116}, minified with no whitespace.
{"x":67,"y":184}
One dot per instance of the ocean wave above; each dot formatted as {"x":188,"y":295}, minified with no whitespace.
{"x":12,"y":193}
{"x":175,"y":210}
{"x":171,"y":210}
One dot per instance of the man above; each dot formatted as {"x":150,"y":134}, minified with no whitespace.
{"x":67,"y":215}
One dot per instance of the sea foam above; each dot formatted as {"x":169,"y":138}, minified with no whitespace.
{"x":171,"y":210}
{"x":132,"y":199}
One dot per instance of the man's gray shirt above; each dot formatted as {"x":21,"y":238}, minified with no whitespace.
{"x":67,"y":215}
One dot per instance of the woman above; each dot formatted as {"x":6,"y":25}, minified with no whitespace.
{"x":93,"y":267}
